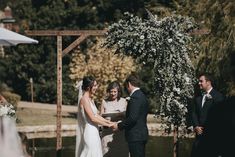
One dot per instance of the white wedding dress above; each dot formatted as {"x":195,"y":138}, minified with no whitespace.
{"x":88,"y":142}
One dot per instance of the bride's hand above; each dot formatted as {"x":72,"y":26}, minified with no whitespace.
{"x":111,"y":124}
{"x":115,"y":126}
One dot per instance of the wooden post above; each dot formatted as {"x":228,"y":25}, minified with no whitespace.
{"x":175,"y":142}
{"x":31,"y":88}
{"x":83,"y":34}
{"x":59,"y":95}
{"x":33,"y":150}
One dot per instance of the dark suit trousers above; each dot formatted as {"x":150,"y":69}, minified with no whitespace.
{"x":198,"y":146}
{"x":203,"y":147}
{"x":137,"y":149}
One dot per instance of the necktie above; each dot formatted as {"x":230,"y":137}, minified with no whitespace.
{"x":203,"y":99}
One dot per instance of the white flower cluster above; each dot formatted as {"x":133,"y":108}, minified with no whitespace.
{"x":166,"y":45}
{"x":149,"y":39}
{"x":7,"y":109}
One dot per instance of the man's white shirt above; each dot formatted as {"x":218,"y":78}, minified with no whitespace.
{"x":135,"y":89}
{"x":204,"y":96}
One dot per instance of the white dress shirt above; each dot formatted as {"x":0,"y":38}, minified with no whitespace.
{"x":135,"y":89}
{"x":204,"y":96}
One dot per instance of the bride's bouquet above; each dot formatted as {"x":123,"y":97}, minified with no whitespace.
{"x":7,"y":109}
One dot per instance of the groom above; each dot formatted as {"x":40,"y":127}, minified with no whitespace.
{"x":136,"y":131}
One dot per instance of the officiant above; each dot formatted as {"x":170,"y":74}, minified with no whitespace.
{"x":113,"y":107}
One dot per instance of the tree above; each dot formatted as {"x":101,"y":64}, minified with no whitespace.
{"x":217,"y":53}
{"x":103,"y":64}
{"x":39,"y":61}
{"x":166,"y":45}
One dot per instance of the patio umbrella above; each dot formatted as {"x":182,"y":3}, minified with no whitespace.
{"x":9,"y":38}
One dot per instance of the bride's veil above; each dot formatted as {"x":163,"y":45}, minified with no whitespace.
{"x":81,"y":124}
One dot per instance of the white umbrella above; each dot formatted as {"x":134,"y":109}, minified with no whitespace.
{"x":9,"y":38}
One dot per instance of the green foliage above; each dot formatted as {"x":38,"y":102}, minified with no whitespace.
{"x":146,"y":75}
{"x":39,"y":61}
{"x":217,"y":53}
{"x":164,"y":45}
{"x":103,"y":64}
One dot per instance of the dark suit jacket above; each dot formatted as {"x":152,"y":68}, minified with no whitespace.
{"x":135,"y":123}
{"x":226,"y":128}
{"x":209,"y":117}
{"x":200,"y":114}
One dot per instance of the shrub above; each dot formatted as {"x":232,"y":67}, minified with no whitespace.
{"x":12,"y":98}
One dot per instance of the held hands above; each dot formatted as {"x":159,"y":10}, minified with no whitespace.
{"x":113,"y":125}
{"x":198,"y":130}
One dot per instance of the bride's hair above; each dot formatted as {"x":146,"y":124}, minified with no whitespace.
{"x":87,"y":83}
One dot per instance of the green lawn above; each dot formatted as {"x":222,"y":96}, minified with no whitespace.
{"x":32,"y":116}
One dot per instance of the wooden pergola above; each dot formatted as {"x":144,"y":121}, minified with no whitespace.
{"x":83,"y":34}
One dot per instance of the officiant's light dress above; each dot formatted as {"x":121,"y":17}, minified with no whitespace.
{"x":113,"y":143}
{"x":90,"y":144}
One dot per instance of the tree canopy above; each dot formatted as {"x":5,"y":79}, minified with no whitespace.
{"x":39,"y":61}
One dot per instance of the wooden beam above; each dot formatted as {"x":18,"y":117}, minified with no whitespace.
{"x":74,"y":44}
{"x":91,"y":32}
{"x":65,"y":32}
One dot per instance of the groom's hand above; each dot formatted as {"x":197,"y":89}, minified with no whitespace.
{"x":115,"y":127}
{"x":110,"y":124}
{"x":198,"y":130}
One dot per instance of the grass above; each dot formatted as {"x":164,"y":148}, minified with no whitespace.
{"x":32,"y":116}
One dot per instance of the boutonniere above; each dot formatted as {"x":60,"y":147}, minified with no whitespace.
{"x":208,"y":96}
{"x":128,"y":98}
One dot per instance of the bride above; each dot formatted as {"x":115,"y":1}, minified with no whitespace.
{"x":88,"y":142}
